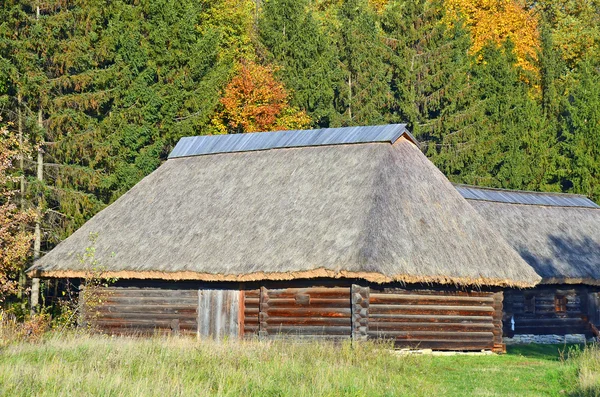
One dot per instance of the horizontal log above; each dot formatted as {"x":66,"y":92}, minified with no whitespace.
{"x":187,"y":309}
{"x":431,"y":310}
{"x":252,"y":293}
{"x":403,"y":326}
{"x":309,"y":330}
{"x":375,"y":318}
{"x":456,"y":345}
{"x":251,"y":301}
{"x":145,"y":332}
{"x":148,"y":293}
{"x":549,"y":321}
{"x":308,"y":337}
{"x":141,"y":319}
{"x":290,"y":292}
{"x":307,"y":312}
{"x":114,"y":300}
{"x":552,"y":330}
{"x":317,"y":321}
{"x":316,"y":303}
{"x":430,"y":299}
{"x":433,"y":335}
{"x":111,"y":323}
{"x":401,"y":291}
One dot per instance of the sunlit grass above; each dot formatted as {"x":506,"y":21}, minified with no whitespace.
{"x":79,"y":364}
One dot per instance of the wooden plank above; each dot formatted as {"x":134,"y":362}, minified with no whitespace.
{"x":218,"y":313}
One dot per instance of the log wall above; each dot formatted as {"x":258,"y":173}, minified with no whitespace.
{"x":315,"y":312}
{"x":418,"y":318}
{"x":440,"y":320}
{"x":144,"y":310}
{"x":536,"y":311}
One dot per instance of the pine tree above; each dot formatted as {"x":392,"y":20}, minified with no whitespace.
{"x":307,"y":59}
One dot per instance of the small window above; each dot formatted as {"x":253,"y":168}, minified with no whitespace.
{"x":529,"y":304}
{"x":560,"y":303}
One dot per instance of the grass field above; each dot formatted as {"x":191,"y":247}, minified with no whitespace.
{"x":104,"y":366}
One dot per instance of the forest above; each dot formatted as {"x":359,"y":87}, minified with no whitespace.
{"x":94,"y":94}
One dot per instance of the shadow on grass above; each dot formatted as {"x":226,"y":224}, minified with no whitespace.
{"x":556,"y":352}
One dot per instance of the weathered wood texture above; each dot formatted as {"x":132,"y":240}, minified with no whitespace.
{"x":298,"y":312}
{"x":360,"y":312}
{"x":218,"y":313}
{"x":542,"y":311}
{"x":423,"y":318}
{"x":145,"y":311}
{"x":441,"y":320}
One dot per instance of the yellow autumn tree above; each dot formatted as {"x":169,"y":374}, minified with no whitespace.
{"x":498,"y":20}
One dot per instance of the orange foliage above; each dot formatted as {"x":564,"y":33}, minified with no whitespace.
{"x":255,"y":101}
{"x":15,"y":240}
{"x":497,"y":20}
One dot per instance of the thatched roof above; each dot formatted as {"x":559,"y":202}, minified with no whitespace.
{"x":377,"y":210}
{"x":557,"y":234}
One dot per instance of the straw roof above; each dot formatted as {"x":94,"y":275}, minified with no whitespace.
{"x":371,"y":208}
{"x":557,"y":234}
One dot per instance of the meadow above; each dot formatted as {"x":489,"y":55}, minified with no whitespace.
{"x":83,"y":364}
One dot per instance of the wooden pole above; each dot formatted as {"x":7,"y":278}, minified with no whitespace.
{"x":37,"y":237}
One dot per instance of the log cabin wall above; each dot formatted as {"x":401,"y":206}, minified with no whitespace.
{"x":548,"y":310}
{"x":145,"y":310}
{"x":419,"y":317}
{"x":313,"y":312}
{"x":437,"y":319}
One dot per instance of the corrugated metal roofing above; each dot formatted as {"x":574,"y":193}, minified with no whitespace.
{"x":522,"y":197}
{"x":212,"y":144}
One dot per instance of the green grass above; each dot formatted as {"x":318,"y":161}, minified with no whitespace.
{"x":105,"y":366}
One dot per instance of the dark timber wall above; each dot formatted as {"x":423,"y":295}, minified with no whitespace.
{"x":417,"y":317}
{"x":549,"y":309}
{"x":145,"y":310}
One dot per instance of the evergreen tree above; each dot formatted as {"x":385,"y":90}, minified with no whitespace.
{"x":513,"y":145}
{"x":581,"y":132}
{"x":364,"y":94}
{"x":430,"y":81}
{"x":308,"y":61}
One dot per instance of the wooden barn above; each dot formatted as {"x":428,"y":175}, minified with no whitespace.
{"x":332,"y":233}
{"x":559,"y":236}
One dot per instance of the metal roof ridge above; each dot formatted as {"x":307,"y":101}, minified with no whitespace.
{"x":256,"y":141}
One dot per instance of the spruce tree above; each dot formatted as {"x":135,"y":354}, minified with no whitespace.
{"x":580,"y":132}
{"x":513,"y":145}
{"x":431,"y":85}
{"x":363,"y":96}
{"x":307,"y":59}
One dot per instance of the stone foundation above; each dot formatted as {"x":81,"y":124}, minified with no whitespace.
{"x":525,"y":339}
